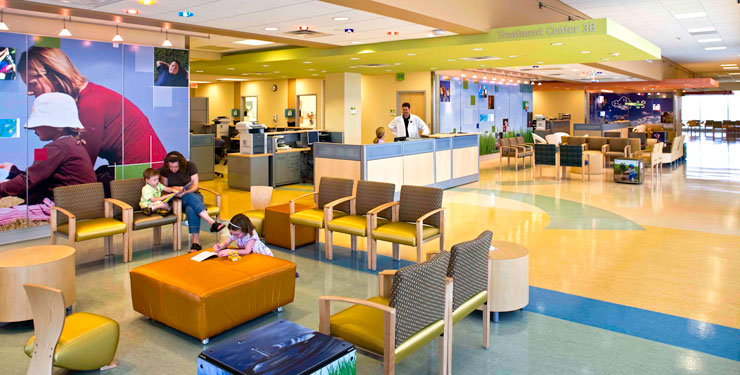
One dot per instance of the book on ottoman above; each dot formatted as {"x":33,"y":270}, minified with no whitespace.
{"x":281,"y":347}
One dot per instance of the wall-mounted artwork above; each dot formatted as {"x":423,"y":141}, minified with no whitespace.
{"x":9,"y":128}
{"x":482,"y":91}
{"x":525,"y":105}
{"x":7,"y":63}
{"x":171,"y":67}
{"x":444,"y":91}
{"x":491,"y":102}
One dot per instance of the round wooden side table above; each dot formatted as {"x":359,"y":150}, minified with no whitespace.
{"x":509,"y":277}
{"x":50,"y":265}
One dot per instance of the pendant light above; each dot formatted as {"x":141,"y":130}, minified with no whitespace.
{"x":117,"y":37}
{"x":166,"y":42}
{"x":3,"y":26}
{"x":65,"y":31}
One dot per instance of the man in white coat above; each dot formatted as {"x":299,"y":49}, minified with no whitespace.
{"x":408,"y":125}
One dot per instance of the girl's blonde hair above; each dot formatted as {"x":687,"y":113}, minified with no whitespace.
{"x":379,"y":133}
{"x":56,"y":66}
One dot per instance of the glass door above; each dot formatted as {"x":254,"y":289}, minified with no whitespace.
{"x":249,"y":108}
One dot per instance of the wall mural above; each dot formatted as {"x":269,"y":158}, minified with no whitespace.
{"x":83,"y":111}
{"x":638,"y":108}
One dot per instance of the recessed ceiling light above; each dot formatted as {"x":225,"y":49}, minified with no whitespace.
{"x":540,"y":62}
{"x":200,"y":81}
{"x":702,"y":30}
{"x":734,"y":74}
{"x":709,"y":40}
{"x":477,"y":49}
{"x":354,"y":58}
{"x":185,"y":14}
{"x":230,"y":68}
{"x":314,"y":74}
{"x":731,"y":68}
{"x":714,"y":48}
{"x":303,"y":28}
{"x":265,"y":66}
{"x":574,"y":70}
{"x":271,"y":29}
{"x":245,"y":74}
{"x":512,"y":56}
{"x":396,"y":63}
{"x":355,"y":42}
{"x":132,"y":12}
{"x":253,"y":42}
{"x":438,"y":32}
{"x":276,"y":72}
{"x":585,"y":51}
{"x":451,"y":60}
{"x":410,"y":54}
{"x":323,"y":71}
{"x":388,"y":70}
{"x":199,"y":71}
{"x":233,"y":79}
{"x":146,"y":2}
{"x":432,"y":68}
{"x":605,"y":59}
{"x":311,"y":70}
{"x":482,"y":65}
{"x":341,"y":18}
{"x":556,"y":44}
{"x":306,"y":62}
{"x":684,"y":16}
{"x":392,"y":33}
{"x":727,"y":64}
{"x":364,"y":51}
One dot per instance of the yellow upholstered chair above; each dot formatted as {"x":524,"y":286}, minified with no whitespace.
{"x":398,"y":321}
{"x":87,"y":214}
{"x":330,"y":190}
{"x":129,"y":192}
{"x":79,"y":342}
{"x":420,"y":219}
{"x":369,"y":195}
{"x":261,"y":196}
{"x":470,"y":269}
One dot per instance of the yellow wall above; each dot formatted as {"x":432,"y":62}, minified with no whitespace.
{"x":550,"y":103}
{"x":220,"y":98}
{"x":269,"y":102}
{"x":379,"y":98}
{"x":305,"y":86}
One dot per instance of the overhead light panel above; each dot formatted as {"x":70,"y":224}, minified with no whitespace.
{"x":271,"y":29}
{"x":477,"y":49}
{"x":410,"y":54}
{"x":714,"y":48}
{"x":254,"y":42}
{"x":354,"y":58}
{"x":685,"y":16}
{"x":556,"y":44}
{"x":727,"y":64}
{"x":233,"y":79}
{"x":147,"y":2}
{"x":341,"y":18}
{"x":584,"y":52}
{"x":709,"y":40}
{"x":355,"y":42}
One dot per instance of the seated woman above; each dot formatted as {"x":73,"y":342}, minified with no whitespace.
{"x":180,"y":174}
{"x":54,"y":118}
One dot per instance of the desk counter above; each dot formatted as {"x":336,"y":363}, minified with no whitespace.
{"x":441,"y":161}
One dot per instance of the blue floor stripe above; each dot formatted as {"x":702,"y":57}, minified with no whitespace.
{"x":691,"y":334}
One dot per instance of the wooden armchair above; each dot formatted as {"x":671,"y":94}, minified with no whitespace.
{"x":331,"y":189}
{"x":654,"y":158}
{"x":398,"y":322}
{"x":87,"y":214}
{"x":129,"y":192}
{"x":369,"y":196}
{"x":260,"y":196}
{"x":79,"y":342}
{"x":420,"y":219}
{"x":510,"y":149}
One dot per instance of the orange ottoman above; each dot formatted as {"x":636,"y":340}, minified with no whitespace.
{"x":204,"y":299}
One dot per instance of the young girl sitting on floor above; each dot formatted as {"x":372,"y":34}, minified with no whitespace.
{"x":245,"y":235}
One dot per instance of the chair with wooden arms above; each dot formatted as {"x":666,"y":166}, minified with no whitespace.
{"x":129,"y":192}
{"x":654,"y":158}
{"x":79,"y":342}
{"x":547,"y":154}
{"x":87,"y":214}
{"x":330,"y":190}
{"x":510,"y":149}
{"x":260,"y":196}
{"x":369,"y":195}
{"x":413,"y":307}
{"x":420,"y":220}
{"x":575,"y":156}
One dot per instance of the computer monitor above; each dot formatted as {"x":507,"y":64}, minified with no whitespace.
{"x":399,"y":139}
{"x":628,"y":171}
{"x":313,"y":137}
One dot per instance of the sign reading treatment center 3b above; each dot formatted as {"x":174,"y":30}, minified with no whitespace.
{"x":550,"y":30}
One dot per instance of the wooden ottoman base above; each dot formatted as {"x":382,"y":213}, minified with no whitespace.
{"x":204,"y":299}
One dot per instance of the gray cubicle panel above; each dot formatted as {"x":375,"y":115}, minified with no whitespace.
{"x":202,"y":153}
{"x":198,"y":115}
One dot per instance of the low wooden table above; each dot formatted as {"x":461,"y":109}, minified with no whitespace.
{"x":509,"y":277}
{"x":49,"y":265}
{"x":277,"y":226}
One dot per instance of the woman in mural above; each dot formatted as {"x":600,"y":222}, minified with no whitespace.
{"x":54,"y":118}
{"x":50,"y":70}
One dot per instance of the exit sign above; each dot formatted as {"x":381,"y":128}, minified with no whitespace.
{"x":401,"y":76}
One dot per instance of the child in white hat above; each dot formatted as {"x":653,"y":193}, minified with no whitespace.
{"x":65,"y":162}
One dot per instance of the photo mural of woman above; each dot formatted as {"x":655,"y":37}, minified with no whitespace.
{"x":51,"y":70}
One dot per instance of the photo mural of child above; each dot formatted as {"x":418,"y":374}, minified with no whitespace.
{"x":47,"y":70}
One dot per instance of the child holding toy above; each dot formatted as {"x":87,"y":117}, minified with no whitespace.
{"x":242,"y":232}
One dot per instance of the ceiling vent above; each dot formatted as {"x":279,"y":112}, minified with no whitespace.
{"x":305,"y":33}
{"x":480,"y":58}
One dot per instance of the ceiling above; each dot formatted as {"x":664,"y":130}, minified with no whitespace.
{"x":607,"y":41}
{"x":657,"y":86}
{"x":571,"y":72}
{"x":254,"y":16}
{"x":679,"y":38}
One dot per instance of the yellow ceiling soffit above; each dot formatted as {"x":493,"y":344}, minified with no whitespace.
{"x":584,"y":41}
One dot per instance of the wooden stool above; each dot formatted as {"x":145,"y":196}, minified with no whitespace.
{"x":509,"y":277}
{"x":49,"y":265}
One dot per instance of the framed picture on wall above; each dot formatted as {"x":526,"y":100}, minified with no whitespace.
{"x":444,"y":91}
{"x":491,"y":102}
{"x":171,"y":67}
{"x":7,"y":63}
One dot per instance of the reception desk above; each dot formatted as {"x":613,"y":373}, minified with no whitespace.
{"x":443,"y":161}
{"x":598,"y":130}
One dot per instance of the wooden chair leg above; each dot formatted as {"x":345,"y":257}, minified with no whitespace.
{"x":369,"y":249}
{"x":175,"y":238}
{"x":53,"y":238}
{"x":108,"y":243}
{"x":127,"y":246}
{"x":353,"y":243}
{"x":328,"y":246}
{"x":396,"y":251}
{"x":442,"y":355}
{"x":157,"y":235}
{"x":486,"y":325}
{"x":292,"y":237}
